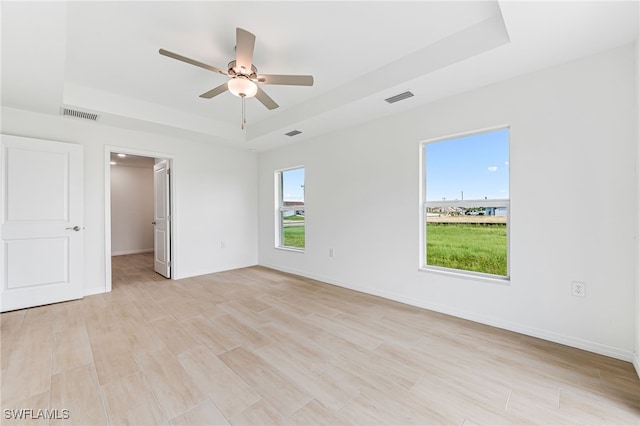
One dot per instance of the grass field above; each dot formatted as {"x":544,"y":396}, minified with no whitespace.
{"x":294,"y":237}
{"x":469,"y":247}
{"x":479,"y":248}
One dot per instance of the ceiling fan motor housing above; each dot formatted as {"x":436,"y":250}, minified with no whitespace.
{"x":235,"y":70}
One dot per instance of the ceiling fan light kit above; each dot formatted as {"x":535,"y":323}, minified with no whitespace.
{"x":242,"y":87}
{"x":244,"y":75}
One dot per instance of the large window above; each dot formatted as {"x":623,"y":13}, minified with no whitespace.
{"x":466,"y":203}
{"x":291,"y":212}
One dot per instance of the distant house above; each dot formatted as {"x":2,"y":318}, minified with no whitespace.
{"x":296,"y":208}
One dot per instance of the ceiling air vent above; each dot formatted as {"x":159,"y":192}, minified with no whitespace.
{"x":293,"y":133}
{"x":79,"y":114}
{"x":399,"y":97}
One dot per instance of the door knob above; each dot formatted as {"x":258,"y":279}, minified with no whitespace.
{"x":75,"y":228}
{"x":153,"y":223}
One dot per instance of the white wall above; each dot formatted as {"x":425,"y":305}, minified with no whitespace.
{"x":131,"y":209}
{"x":573,"y":148}
{"x":214,"y":199}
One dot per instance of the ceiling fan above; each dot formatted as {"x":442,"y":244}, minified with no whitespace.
{"x":244,"y":75}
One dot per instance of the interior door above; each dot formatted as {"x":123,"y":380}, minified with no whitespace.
{"x":162,"y":219}
{"x":41,"y":225}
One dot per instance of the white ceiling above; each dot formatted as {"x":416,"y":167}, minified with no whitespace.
{"x":103,"y":57}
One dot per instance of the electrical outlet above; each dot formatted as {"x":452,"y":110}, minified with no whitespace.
{"x":578,"y":288}
{"x":222,"y":245}
{"x":331,"y":252}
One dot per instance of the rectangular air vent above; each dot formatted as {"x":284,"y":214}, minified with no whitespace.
{"x":79,"y":114}
{"x":293,"y":133}
{"x":399,"y":97}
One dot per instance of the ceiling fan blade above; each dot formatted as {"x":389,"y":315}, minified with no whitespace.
{"x":215,"y":92}
{"x":191,"y":61}
{"x":245,"y":42}
{"x":290,"y":80}
{"x":266,"y":100}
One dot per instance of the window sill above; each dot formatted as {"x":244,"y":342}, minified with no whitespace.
{"x":475,"y":276}
{"x":293,"y":249}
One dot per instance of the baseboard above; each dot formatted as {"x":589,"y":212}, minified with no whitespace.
{"x":93,"y":291}
{"x":494,"y":322}
{"x":636,"y":362}
{"x":212,"y":270}
{"x":125,"y":252}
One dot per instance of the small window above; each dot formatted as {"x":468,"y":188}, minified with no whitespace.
{"x":291,"y":210}
{"x":466,"y":203}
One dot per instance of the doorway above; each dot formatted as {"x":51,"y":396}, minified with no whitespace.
{"x":138,"y":193}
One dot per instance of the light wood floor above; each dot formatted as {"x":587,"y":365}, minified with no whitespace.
{"x":254,"y":346}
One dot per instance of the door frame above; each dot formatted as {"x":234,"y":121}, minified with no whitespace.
{"x":108,"y":149}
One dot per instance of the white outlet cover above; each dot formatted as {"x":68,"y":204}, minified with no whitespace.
{"x":578,"y":288}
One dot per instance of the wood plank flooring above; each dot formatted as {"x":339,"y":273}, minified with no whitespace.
{"x":255,"y":346}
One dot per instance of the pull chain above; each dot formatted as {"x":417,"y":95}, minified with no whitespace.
{"x":244,"y":120}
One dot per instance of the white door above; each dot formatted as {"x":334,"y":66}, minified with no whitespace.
{"x":161,"y":219}
{"x":41,"y":222}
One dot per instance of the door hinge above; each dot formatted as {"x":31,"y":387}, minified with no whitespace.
{"x":169,"y":264}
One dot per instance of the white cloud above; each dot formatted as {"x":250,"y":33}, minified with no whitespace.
{"x":506,"y":163}
{"x":492,"y":168}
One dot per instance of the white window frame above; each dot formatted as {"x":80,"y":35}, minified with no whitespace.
{"x":425,"y":205}
{"x":280,"y":209}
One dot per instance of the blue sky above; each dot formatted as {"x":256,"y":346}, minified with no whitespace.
{"x":292,"y":182}
{"x":477,"y":165}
